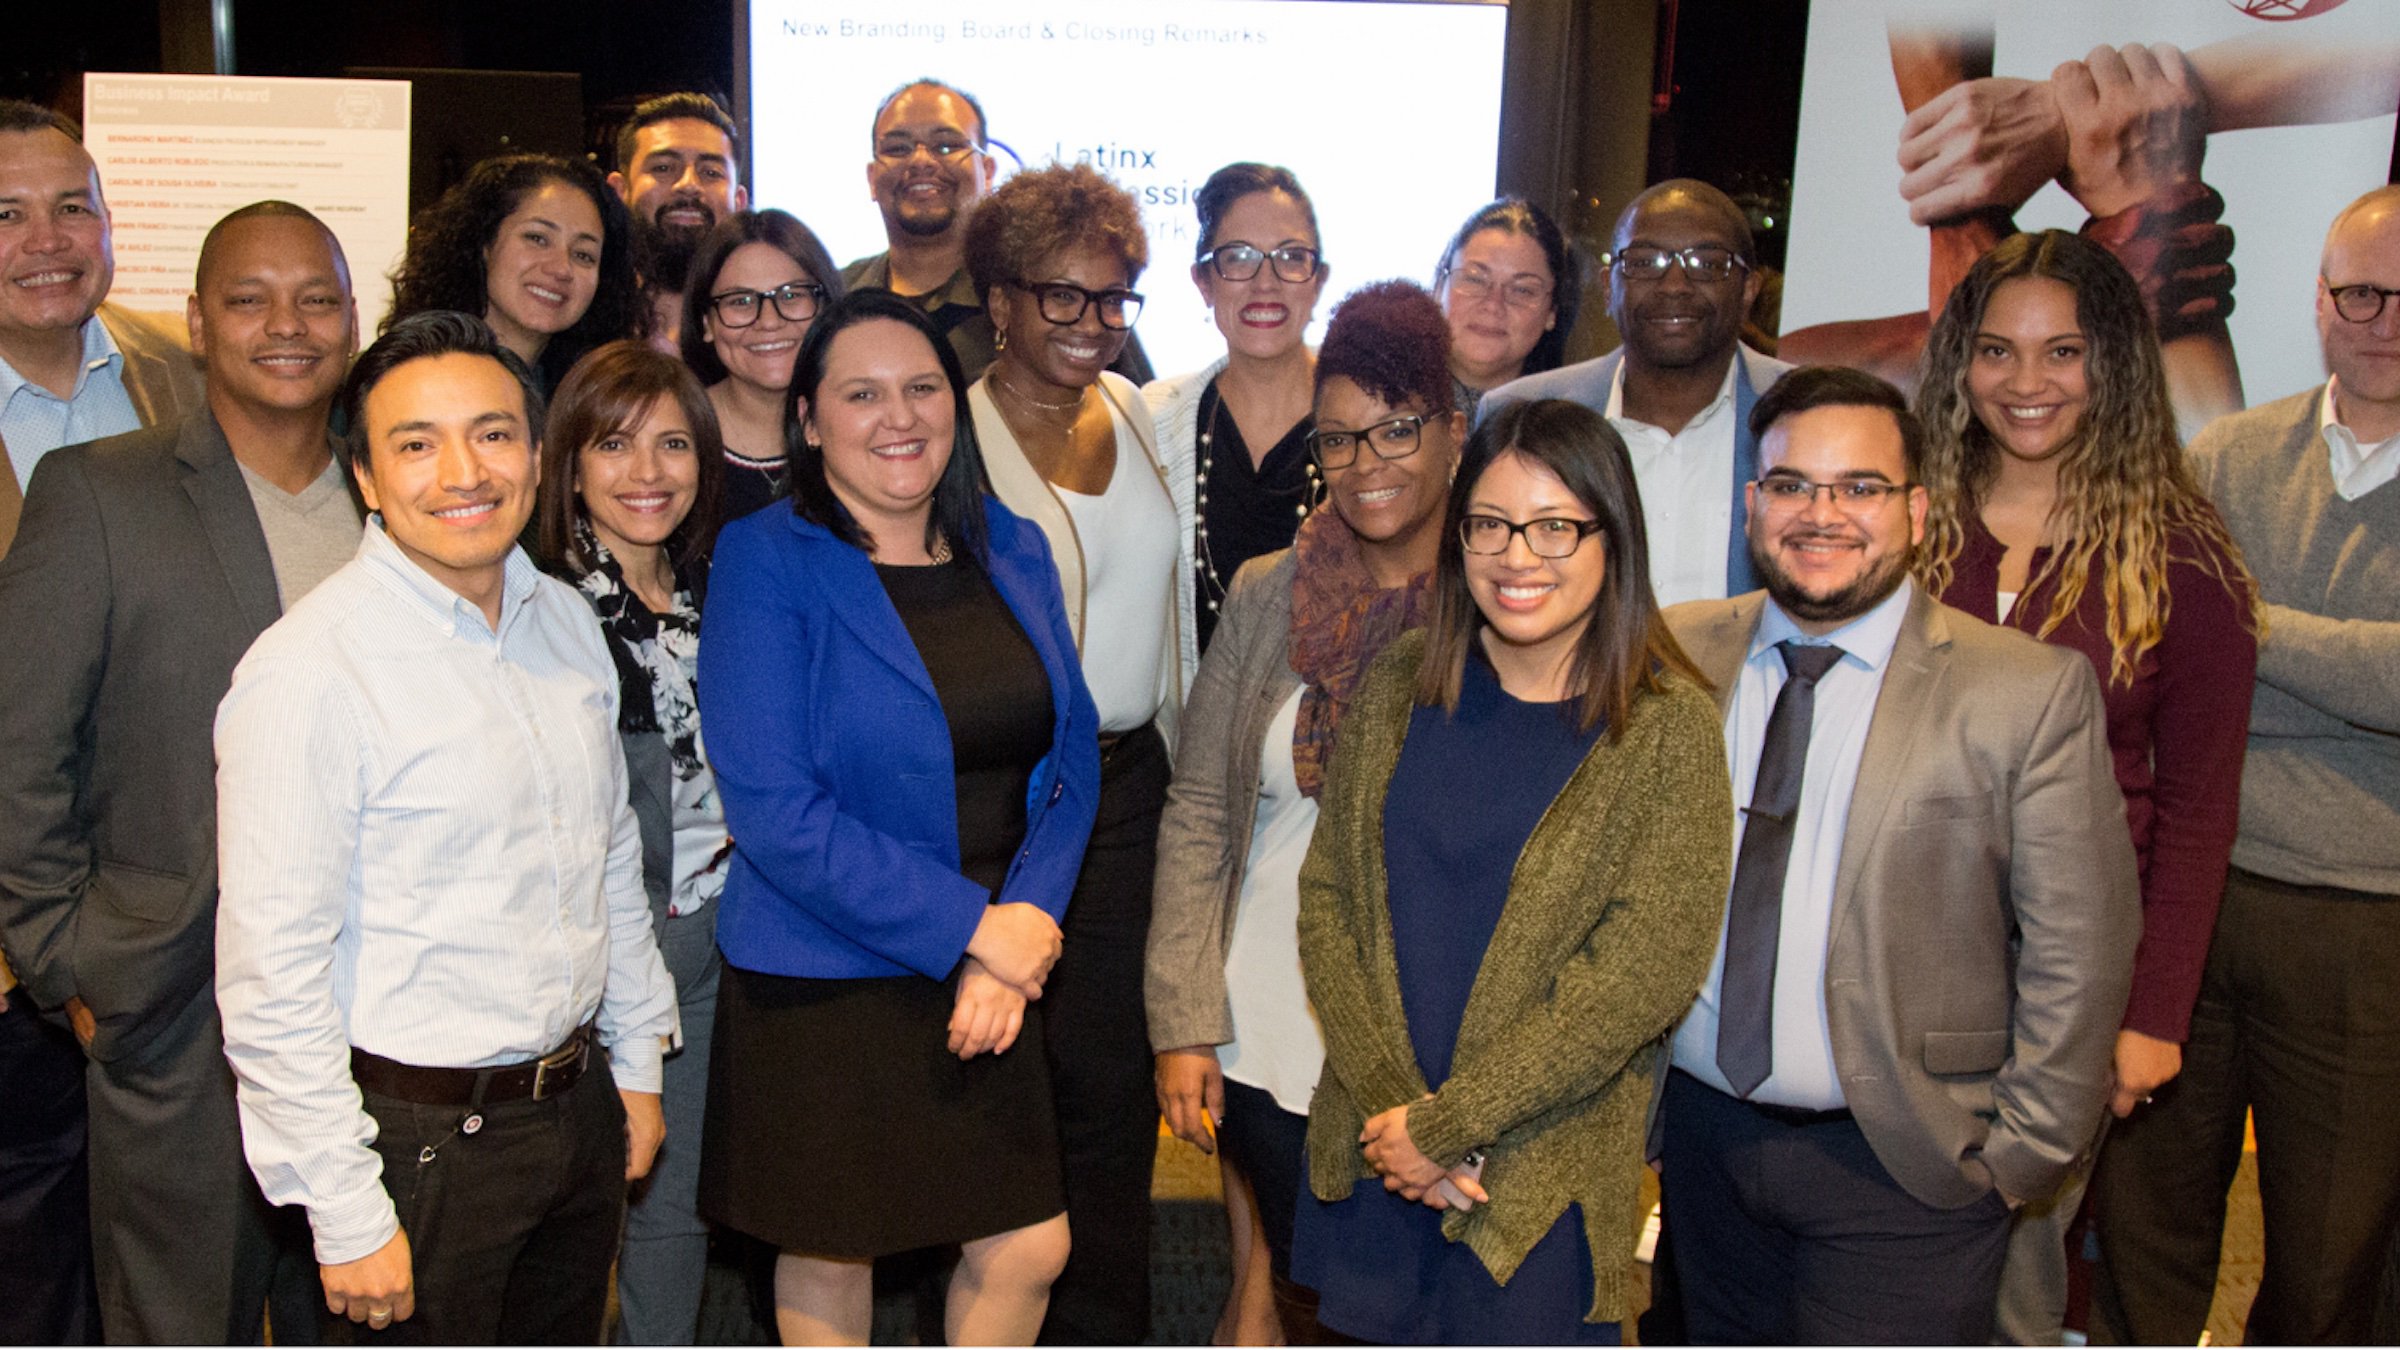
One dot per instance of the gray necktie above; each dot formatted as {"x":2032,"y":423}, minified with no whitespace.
{"x":1754,"y":913}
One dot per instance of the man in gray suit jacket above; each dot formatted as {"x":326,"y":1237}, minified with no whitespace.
{"x":144,"y":567}
{"x":1930,"y":936}
{"x":1681,"y":276}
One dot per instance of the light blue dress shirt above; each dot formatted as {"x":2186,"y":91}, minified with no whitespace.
{"x":34,"y":421}
{"x":424,"y":851}
{"x":1804,"y":1074}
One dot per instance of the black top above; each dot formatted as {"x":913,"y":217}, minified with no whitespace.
{"x":994,"y":695}
{"x":1242,"y":511}
{"x":749,"y":485}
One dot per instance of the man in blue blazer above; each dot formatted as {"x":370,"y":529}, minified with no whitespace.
{"x":1682,"y":272}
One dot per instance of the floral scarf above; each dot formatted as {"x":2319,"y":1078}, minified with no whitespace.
{"x":653,"y":653}
{"x":1341,"y":620}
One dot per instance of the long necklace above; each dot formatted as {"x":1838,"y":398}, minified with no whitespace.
{"x":1213,"y":583}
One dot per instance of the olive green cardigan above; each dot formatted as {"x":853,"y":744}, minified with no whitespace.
{"x":1610,"y":924}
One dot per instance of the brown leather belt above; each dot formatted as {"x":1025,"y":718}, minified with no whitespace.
{"x":539,"y":1079}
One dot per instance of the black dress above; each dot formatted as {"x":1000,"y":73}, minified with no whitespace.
{"x":851,"y":1130}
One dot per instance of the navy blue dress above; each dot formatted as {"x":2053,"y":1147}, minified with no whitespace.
{"x":1382,"y":1269}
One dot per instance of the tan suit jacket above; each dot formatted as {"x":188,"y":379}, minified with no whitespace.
{"x":1986,"y":906}
{"x":160,"y":377}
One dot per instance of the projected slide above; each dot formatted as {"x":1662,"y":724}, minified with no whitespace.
{"x":1388,"y":112}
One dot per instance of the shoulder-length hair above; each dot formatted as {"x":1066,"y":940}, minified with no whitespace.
{"x":1515,"y":215}
{"x":609,"y":392}
{"x":780,"y":229}
{"x":957,"y":497}
{"x":1626,"y":650}
{"x":2125,"y":489}
{"x":443,"y":267}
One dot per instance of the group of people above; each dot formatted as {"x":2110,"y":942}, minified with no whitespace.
{"x":677,"y":735}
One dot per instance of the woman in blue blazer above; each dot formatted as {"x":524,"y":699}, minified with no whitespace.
{"x":908,"y":758}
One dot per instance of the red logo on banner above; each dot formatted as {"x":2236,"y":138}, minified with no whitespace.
{"x":2278,"y":10}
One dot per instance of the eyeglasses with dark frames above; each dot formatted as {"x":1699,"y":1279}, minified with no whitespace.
{"x":796,"y":301}
{"x":1394,"y":438}
{"x":2361,"y":303}
{"x":1787,"y":494}
{"x":1239,"y":261}
{"x":1550,"y":537}
{"x":1063,"y":303}
{"x":1645,"y":262}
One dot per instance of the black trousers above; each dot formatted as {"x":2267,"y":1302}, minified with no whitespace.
{"x":46,"y":1292}
{"x":1791,"y":1234}
{"x":511,"y":1228}
{"x":1099,"y":1044}
{"x":2298,"y":1023}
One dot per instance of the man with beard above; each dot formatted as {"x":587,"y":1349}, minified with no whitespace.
{"x":679,"y":173}
{"x":931,"y":165}
{"x":145,"y":566}
{"x":1929,"y":939}
{"x":1681,"y":274}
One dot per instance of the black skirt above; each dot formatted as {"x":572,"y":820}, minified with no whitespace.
{"x":839,"y":1123}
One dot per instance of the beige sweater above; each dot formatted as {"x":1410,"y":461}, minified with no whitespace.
{"x":1610,"y":924}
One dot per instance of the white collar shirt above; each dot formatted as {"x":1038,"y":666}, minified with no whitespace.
{"x":2357,"y":469}
{"x":34,"y":421}
{"x":1687,"y":490}
{"x":425,"y":852}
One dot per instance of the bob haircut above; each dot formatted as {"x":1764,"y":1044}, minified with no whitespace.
{"x":1041,"y":213}
{"x":780,"y":229}
{"x":609,"y":392}
{"x":1626,"y":650}
{"x":1237,"y":181}
{"x":957,"y":497}
{"x":437,"y":332}
{"x":443,"y":268}
{"x":1515,"y":215}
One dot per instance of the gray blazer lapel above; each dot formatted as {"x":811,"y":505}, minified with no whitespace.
{"x":213,"y":480}
{"x":1913,"y":689}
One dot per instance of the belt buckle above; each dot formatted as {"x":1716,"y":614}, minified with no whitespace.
{"x":571,"y":1056}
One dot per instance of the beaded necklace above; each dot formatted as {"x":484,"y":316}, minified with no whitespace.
{"x":1213,"y":584}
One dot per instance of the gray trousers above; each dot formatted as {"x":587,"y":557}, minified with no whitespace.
{"x":186,"y":1249}
{"x":665,"y":1257}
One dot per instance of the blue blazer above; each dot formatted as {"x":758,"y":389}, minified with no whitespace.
{"x":833,"y":756}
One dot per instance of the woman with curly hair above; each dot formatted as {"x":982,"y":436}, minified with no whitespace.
{"x":758,"y":280}
{"x":1055,"y":253}
{"x":1237,"y":1047}
{"x":1511,"y":286}
{"x":1235,"y":431}
{"x":2062,"y":506}
{"x":534,"y":245}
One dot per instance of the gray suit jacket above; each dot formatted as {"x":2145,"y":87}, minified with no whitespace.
{"x":1986,"y":906}
{"x":139,"y":577}
{"x":160,"y":376}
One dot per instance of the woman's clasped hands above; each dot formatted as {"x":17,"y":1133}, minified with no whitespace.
{"x":1007,"y":960}
{"x":1406,"y":1170}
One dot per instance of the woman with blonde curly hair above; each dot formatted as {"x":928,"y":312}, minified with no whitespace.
{"x":2062,"y":506}
{"x":1069,"y":445}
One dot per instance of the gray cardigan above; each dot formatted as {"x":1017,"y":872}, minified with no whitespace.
{"x":1204,"y":836}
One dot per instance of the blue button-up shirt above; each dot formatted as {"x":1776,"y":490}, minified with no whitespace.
{"x":34,"y":421}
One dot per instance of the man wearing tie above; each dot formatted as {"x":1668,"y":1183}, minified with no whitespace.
{"x":1930,"y":935}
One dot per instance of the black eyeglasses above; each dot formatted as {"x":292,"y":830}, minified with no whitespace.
{"x":1240,"y":262}
{"x":1549,"y":537}
{"x":947,"y":149}
{"x":1788,"y":493}
{"x":2361,"y":303}
{"x":1645,"y":262}
{"x":1397,"y":438}
{"x":1063,"y":303}
{"x":796,"y":301}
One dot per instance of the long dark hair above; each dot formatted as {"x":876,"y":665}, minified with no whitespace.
{"x":444,"y":269}
{"x":957,"y":498}
{"x":606,"y":393}
{"x":1626,"y":650}
{"x":780,"y":229}
{"x":1515,"y":215}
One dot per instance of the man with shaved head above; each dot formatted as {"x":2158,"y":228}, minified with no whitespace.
{"x":1682,"y":271}
{"x":2298,"y":1022}
{"x":144,"y":566}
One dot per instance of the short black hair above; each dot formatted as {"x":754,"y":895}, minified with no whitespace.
{"x":18,"y":115}
{"x":1237,"y":181}
{"x":668,"y":107}
{"x":983,"y":126}
{"x":426,"y":333}
{"x":270,"y":208}
{"x":1841,"y":387}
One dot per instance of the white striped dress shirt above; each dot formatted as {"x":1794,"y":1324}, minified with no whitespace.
{"x":424,"y":851}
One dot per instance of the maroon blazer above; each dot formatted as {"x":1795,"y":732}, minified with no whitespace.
{"x":2176,"y":734}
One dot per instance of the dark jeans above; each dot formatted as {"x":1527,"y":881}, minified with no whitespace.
{"x":2299,"y":1024}
{"x":511,"y":1228}
{"x":1099,"y":1045}
{"x":1795,"y":1234}
{"x":46,"y":1292}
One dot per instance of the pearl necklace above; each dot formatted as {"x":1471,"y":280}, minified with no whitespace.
{"x":1213,"y":582}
